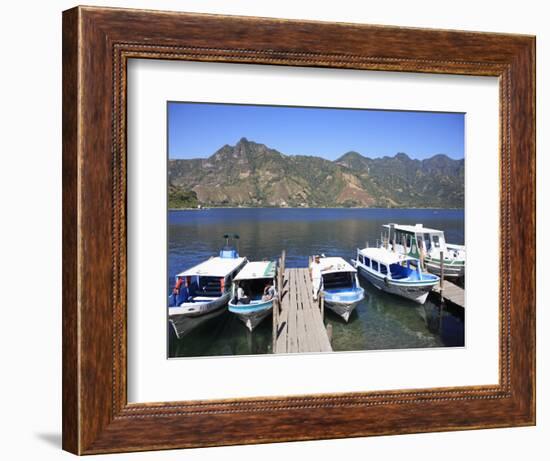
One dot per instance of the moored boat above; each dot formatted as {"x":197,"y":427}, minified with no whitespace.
{"x":395,"y":273}
{"x":253,"y":292}
{"x":427,"y":245}
{"x":203,"y":291}
{"x":340,"y":286}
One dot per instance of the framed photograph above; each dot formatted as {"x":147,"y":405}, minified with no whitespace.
{"x":282,"y":230}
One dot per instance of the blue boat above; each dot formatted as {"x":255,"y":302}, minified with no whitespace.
{"x":203,"y":291}
{"x":395,"y":273}
{"x":340,"y":286}
{"x":256,"y":283}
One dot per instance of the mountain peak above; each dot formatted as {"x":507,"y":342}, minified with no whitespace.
{"x":353,"y":160}
{"x":439,"y":157}
{"x":349,"y":155}
{"x":401,"y":156}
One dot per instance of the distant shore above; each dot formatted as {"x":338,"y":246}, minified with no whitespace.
{"x":311,"y":208}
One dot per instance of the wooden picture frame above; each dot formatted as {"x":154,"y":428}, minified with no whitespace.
{"x":97,"y":43}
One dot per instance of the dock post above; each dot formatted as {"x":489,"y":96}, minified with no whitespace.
{"x":322,"y":305}
{"x":283,"y":260}
{"x":275,"y":323}
{"x":441,"y":274}
{"x":280,"y":279}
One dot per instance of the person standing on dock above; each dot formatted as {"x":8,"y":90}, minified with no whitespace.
{"x":315,"y":273}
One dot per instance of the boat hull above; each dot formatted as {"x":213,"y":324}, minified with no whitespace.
{"x":343,"y":303}
{"x":344,"y":310}
{"x":415,"y":291}
{"x":251,"y":314}
{"x":451,"y":271}
{"x":188,"y":316}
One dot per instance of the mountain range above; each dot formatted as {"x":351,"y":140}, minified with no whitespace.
{"x":250,"y":174}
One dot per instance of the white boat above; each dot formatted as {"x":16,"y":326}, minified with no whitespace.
{"x":203,"y":291}
{"x":253,"y":279}
{"x":427,"y":244}
{"x":340,"y":286}
{"x":395,"y":273}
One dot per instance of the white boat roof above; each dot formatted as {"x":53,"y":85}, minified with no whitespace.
{"x":413,"y":229}
{"x":384,"y":256}
{"x":257,"y":270}
{"x":338,"y":265}
{"x":213,"y":267}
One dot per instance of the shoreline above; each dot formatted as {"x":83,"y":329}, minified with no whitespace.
{"x":308,"y":208}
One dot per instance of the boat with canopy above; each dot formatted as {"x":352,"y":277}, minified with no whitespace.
{"x":203,"y":291}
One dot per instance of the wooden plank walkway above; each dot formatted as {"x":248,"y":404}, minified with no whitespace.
{"x":452,"y":293}
{"x":299,"y":324}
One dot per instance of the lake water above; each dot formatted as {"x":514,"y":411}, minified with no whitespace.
{"x":381,"y":321}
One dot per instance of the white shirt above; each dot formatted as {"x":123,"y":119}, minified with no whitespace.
{"x":240,"y":293}
{"x":316,"y":269}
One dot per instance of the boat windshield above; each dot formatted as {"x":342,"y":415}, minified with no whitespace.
{"x":338,"y":280}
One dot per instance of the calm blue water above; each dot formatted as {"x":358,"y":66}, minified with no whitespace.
{"x":382,"y":321}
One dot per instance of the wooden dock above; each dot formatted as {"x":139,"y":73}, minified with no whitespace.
{"x":451,"y":292}
{"x":298,"y":324}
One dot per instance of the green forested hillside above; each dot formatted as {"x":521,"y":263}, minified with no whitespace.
{"x":252,"y":174}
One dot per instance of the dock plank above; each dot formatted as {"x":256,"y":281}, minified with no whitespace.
{"x":312,"y":333}
{"x":300,"y":324}
{"x":304,"y":337}
{"x":292,"y":339}
{"x":315,"y":323}
{"x":452,"y":293}
{"x":282,"y":326}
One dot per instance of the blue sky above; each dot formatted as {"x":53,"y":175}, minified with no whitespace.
{"x":197,"y":130}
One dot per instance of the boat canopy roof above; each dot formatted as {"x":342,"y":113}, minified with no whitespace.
{"x":385,"y":256}
{"x":338,"y":265}
{"x":257,"y":270}
{"x":413,"y":229}
{"x":213,"y":267}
